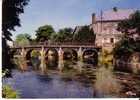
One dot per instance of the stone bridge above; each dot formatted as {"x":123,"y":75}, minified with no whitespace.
{"x":73,"y":51}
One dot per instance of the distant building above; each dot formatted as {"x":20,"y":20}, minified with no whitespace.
{"x":105,"y":25}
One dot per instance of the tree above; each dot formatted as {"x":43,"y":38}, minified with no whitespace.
{"x":130,"y":42}
{"x":44,"y":33}
{"x":131,"y":26}
{"x":84,"y":34}
{"x":63,"y":35}
{"x":23,"y":39}
{"x":11,"y":9}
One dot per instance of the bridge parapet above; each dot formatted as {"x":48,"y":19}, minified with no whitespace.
{"x":58,"y":43}
{"x":56,"y":46}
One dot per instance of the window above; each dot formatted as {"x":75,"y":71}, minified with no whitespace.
{"x":111,"y":40}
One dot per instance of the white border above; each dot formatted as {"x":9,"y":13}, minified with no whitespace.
{"x":46,"y":98}
{"x":1,"y":48}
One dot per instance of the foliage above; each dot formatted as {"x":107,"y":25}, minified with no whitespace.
{"x":106,"y":58}
{"x":85,"y":34}
{"x":23,"y":39}
{"x":126,"y":47}
{"x":63,"y":35}
{"x":11,"y":9}
{"x":35,"y":53}
{"x":19,"y":37}
{"x":131,"y":26}
{"x":8,"y":92}
{"x":130,"y":42}
{"x":44,"y":33}
{"x":135,"y":62}
{"x":6,"y":73}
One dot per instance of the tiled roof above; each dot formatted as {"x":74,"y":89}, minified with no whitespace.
{"x":77,"y":29}
{"x":111,"y":15}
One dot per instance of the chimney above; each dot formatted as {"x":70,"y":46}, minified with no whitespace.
{"x":93,"y":18}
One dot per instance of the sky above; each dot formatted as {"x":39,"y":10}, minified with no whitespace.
{"x":65,"y":13}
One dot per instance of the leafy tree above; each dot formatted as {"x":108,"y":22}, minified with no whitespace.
{"x":84,"y":34}
{"x":131,"y":26}
{"x":8,"y":92}
{"x":23,"y":39}
{"x":63,"y":35}
{"x":11,"y":9}
{"x":44,"y":33}
{"x":130,"y":42}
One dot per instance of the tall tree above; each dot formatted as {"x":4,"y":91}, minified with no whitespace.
{"x":63,"y":35}
{"x":131,"y":26}
{"x":44,"y":33}
{"x":11,"y":9}
{"x":23,"y":39}
{"x":130,"y":42}
{"x":84,"y":34}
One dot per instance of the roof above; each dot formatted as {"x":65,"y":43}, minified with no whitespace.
{"x":77,"y":29}
{"x":112,"y":15}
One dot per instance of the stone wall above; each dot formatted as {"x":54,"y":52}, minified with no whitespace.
{"x":106,"y":32}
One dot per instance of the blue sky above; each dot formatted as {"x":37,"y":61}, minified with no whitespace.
{"x":65,"y":13}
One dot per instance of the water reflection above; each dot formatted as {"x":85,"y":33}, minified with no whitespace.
{"x":43,"y":66}
{"x":33,"y":85}
{"x":61,"y":61}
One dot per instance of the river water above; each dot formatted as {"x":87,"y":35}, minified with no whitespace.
{"x":31,"y":84}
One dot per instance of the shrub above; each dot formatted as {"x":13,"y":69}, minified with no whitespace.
{"x":106,"y":58}
{"x":35,"y":53}
{"x":8,"y":92}
{"x":6,"y":72}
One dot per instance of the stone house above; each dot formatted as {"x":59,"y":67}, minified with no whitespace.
{"x":105,"y":25}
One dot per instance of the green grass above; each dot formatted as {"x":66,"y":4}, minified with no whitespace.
{"x":8,"y":92}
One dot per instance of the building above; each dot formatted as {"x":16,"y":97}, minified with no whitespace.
{"x":105,"y":25}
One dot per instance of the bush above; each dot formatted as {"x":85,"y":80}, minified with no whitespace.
{"x":106,"y":58}
{"x":8,"y":92}
{"x":6,"y":73}
{"x":35,"y":53}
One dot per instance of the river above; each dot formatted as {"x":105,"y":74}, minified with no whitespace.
{"x":31,"y":84}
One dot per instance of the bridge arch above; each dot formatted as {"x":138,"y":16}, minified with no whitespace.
{"x":52,"y":52}
{"x":74,"y":55}
{"x":52,"y":58}
{"x":70,"y":54}
{"x":28,"y":54}
{"x":33,"y":58}
{"x":90,"y":56}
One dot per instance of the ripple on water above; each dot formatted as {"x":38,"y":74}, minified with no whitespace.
{"x":32,"y":85}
